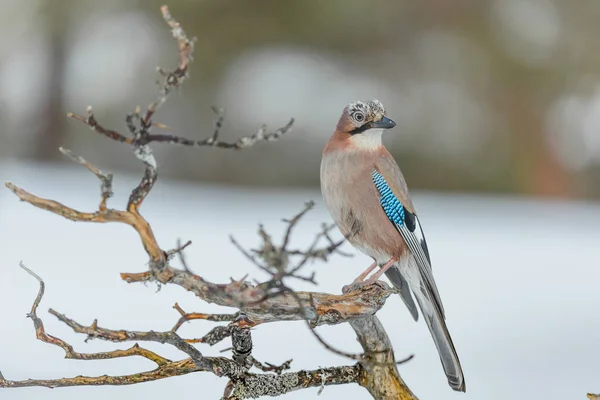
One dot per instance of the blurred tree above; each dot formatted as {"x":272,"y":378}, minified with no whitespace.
{"x":50,"y":129}
{"x":510,"y":61}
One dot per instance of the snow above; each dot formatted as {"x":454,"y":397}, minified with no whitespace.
{"x":518,"y":279}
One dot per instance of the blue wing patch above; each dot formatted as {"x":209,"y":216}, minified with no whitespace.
{"x":409,"y":228}
{"x":392,"y":207}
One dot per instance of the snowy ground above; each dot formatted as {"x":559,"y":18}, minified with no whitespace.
{"x":519,"y":280}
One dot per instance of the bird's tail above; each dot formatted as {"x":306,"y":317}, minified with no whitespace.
{"x":401,"y":284}
{"x":441,"y":337}
{"x":436,"y":323}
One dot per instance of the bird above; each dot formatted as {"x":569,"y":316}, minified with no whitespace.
{"x":368,"y":199}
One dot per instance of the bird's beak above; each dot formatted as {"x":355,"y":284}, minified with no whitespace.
{"x":383,"y":123}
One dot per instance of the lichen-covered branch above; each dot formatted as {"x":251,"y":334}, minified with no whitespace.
{"x":170,"y":369}
{"x":164,"y":367}
{"x":41,"y":334}
{"x":380,"y":373}
{"x":242,"y":384}
{"x":321,"y":307}
{"x":352,"y":306}
{"x":275,"y":385}
{"x":262,"y":135}
{"x":254,"y":303}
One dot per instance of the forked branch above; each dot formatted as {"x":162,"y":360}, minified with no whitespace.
{"x":255,"y":303}
{"x":243,"y":384}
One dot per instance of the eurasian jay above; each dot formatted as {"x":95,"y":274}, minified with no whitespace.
{"x":367,"y":196}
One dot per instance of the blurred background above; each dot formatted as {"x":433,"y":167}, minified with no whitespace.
{"x":498,"y":110}
{"x":490,"y":96}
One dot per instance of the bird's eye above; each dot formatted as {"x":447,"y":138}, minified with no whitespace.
{"x":359,"y":117}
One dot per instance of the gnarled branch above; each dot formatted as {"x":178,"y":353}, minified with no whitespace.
{"x":255,"y":303}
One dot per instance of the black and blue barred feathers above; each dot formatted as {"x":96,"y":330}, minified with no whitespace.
{"x":392,"y":207}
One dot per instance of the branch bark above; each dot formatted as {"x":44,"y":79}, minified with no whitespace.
{"x":380,"y":373}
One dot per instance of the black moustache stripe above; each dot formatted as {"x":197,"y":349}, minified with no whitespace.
{"x":361,"y":129}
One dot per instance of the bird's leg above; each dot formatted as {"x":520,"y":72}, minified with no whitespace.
{"x":367,"y":271}
{"x":381,"y":271}
{"x":360,"y":279}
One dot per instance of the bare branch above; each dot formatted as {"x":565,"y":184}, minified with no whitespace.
{"x":292,"y":223}
{"x":380,"y":374}
{"x":317,"y":253}
{"x":242,"y":143}
{"x":165,"y":367}
{"x":140,"y":144}
{"x":185,"y":317}
{"x":214,"y":336}
{"x":276,"y":258}
{"x":242,"y":384}
{"x":134,"y":220}
{"x":174,"y":368}
{"x":327,"y":309}
{"x":172,"y":79}
{"x":268,"y":367}
{"x":275,"y":385}
{"x":94,"y":331}
{"x":106,"y":191}
{"x":90,"y":121}
{"x":179,"y":249}
{"x":262,"y":135}
{"x":257,"y":303}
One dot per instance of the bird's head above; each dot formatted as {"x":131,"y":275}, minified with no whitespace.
{"x":362,"y":122}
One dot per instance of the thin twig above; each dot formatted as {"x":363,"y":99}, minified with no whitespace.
{"x":179,"y":249}
{"x":70,"y":353}
{"x":94,"y":331}
{"x":172,"y":79}
{"x":268,"y":367}
{"x":317,"y":336}
{"x":106,"y":191}
{"x":90,"y":121}
{"x":262,"y":135}
{"x":186,"y":317}
{"x":292,"y":223}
